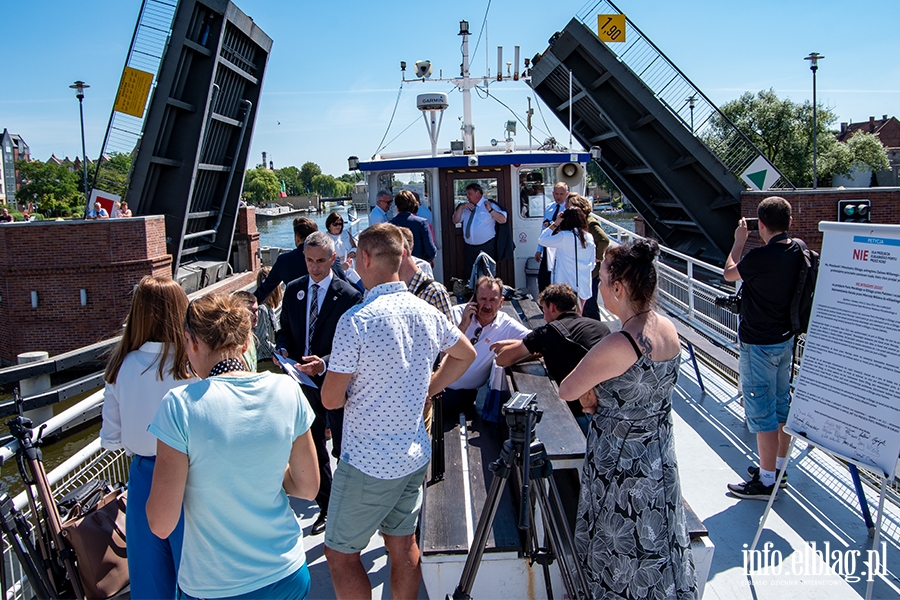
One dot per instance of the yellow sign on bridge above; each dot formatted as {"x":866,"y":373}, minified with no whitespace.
{"x":611,"y":28}
{"x":133,"y":91}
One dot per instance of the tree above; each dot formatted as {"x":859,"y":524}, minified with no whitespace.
{"x":293,"y":185}
{"x":781,"y":129}
{"x":113,"y":174}
{"x":863,"y":150}
{"x":261,"y":185}
{"x":52,"y":187}
{"x":599,"y":178}
{"x":352,"y":178}
{"x":307,"y":172}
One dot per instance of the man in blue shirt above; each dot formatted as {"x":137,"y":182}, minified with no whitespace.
{"x":381,"y":212}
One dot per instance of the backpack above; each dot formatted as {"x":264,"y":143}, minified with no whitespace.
{"x":802,"y":302}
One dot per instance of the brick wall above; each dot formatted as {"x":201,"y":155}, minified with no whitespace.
{"x":57,"y":259}
{"x":809,"y":207}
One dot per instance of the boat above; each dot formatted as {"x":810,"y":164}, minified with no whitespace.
{"x":716,"y":446}
{"x":520,"y":180}
{"x":265,"y":213}
{"x":713,"y":447}
{"x":712,"y":442}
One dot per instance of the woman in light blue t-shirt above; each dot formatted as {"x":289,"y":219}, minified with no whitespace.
{"x":230,"y":449}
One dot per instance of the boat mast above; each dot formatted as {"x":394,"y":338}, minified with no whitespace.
{"x":464,"y":83}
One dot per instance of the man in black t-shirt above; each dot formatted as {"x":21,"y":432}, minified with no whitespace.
{"x":769,"y":275}
{"x":563,"y":341}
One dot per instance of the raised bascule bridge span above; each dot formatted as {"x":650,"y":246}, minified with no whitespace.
{"x":673,"y":154}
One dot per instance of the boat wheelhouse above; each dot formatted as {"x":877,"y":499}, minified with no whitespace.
{"x":519,"y":182}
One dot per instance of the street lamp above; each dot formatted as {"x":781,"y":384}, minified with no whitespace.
{"x":813,"y":59}
{"x":80,"y":86}
{"x":691,"y":101}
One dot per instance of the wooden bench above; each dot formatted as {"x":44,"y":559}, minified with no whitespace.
{"x":452,"y":507}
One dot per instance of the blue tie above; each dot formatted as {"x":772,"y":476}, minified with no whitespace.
{"x":313,"y":313}
{"x":469,"y":222}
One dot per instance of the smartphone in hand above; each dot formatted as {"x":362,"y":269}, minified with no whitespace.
{"x":752,"y":224}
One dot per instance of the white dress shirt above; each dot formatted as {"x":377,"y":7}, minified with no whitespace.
{"x":323,"y":287}
{"x":572,"y":263}
{"x":130,"y":403}
{"x":483,"y":226}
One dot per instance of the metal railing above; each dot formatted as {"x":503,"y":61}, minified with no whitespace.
{"x":151,"y":37}
{"x":682,"y":293}
{"x":677,"y":93}
{"x":91,"y":462}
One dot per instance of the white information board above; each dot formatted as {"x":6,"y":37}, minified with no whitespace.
{"x":847,"y":396}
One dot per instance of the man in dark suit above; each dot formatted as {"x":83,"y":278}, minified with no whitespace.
{"x":423,"y":243}
{"x":313,"y":304}
{"x":292,"y":265}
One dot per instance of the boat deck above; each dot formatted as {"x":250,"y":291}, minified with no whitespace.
{"x":714,"y":448}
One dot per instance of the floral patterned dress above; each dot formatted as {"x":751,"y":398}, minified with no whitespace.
{"x":630,"y":533}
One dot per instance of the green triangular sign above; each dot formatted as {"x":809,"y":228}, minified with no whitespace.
{"x":758,"y":178}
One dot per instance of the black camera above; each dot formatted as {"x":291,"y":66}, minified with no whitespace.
{"x":732,"y":303}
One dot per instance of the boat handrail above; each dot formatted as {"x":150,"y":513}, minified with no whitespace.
{"x":57,"y":422}
{"x":681,"y":294}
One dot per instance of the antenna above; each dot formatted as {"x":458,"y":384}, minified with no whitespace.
{"x":464,"y":83}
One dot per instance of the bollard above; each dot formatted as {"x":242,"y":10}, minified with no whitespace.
{"x":35,"y":385}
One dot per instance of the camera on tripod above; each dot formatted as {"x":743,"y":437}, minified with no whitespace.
{"x":522,"y":414}
{"x":732,"y":303}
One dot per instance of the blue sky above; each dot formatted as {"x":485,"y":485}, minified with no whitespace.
{"x":333,"y":74}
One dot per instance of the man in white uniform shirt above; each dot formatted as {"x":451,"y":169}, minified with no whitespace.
{"x":479,"y":217}
{"x":381,"y":372}
{"x":483,"y":323}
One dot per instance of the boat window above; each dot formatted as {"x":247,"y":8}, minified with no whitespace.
{"x":488,"y":187}
{"x":414,"y":181}
{"x":535,"y":191}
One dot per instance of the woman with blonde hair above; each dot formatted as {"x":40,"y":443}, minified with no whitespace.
{"x":230,"y":449}
{"x":149,"y":361}
{"x":601,"y":243}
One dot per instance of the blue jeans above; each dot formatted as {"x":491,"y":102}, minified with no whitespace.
{"x":766,"y":384}
{"x":152,"y":562}
{"x":293,"y":587}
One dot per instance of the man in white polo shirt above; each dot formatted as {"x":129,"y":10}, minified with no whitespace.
{"x":381,"y":373}
{"x":483,"y":323}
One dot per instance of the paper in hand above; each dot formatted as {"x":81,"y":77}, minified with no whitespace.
{"x":289,"y":366}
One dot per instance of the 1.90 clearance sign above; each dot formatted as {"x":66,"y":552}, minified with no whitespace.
{"x":611,"y":28}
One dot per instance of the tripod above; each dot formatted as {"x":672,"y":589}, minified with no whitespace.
{"x":16,"y":528}
{"x":31,"y":468}
{"x":524,"y":453}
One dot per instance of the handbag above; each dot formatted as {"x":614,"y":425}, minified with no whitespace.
{"x":98,"y":540}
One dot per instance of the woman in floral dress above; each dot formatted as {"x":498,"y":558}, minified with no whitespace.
{"x":630,"y":532}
